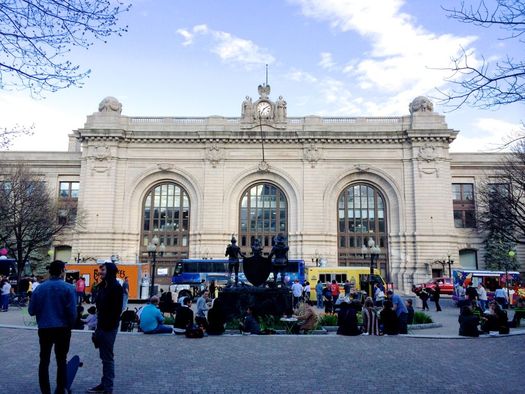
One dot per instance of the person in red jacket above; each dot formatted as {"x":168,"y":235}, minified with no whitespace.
{"x":334,"y":289}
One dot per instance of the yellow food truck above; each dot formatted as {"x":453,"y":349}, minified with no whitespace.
{"x":357,"y":276}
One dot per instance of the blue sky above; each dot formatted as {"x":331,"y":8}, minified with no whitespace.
{"x":327,"y":57}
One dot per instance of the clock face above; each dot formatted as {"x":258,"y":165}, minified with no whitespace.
{"x":264,"y":109}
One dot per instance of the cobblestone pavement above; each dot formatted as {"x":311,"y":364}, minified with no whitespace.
{"x":324,"y":364}
{"x":262,"y":364}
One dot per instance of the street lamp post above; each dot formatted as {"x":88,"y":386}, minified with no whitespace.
{"x":374,"y":256}
{"x":153,"y":249}
{"x":511,"y":254}
{"x":449,"y":262}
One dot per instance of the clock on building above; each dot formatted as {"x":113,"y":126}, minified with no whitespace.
{"x":264,"y":109}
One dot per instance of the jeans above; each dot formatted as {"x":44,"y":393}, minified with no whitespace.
{"x":483,"y":305}
{"x":320,"y":301}
{"x":402,"y":323}
{"x":161,"y":329}
{"x":60,"y":337}
{"x":80,"y":297}
{"x":5,"y":302}
{"x":125,"y":299}
{"x":106,"y":341}
{"x":296,"y":301}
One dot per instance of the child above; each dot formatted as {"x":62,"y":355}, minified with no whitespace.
{"x":410,"y":309}
{"x":91,"y":319}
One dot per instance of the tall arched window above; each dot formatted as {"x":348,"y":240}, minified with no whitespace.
{"x":263,"y":215}
{"x":361,"y":215}
{"x":167,"y":216}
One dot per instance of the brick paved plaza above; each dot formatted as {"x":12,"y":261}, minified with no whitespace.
{"x":262,"y":364}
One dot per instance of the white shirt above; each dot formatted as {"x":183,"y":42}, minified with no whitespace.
{"x":297,"y":290}
{"x":482,"y":293}
{"x":6,"y":288}
{"x":34,"y":285}
{"x":307,"y":289}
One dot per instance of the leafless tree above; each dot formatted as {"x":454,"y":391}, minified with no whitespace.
{"x":490,"y":84}
{"x":30,"y":215}
{"x":7,"y":135}
{"x":501,"y":204}
{"x":36,"y":36}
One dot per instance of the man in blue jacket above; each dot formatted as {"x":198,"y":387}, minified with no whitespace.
{"x":54,"y":305}
{"x":151,"y":319}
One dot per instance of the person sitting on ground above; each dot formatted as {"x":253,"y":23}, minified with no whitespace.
{"x":468,"y":322}
{"x":216,"y":318}
{"x":151,"y":319}
{"x":307,"y":319}
{"x":202,"y":308}
{"x":250,"y":325}
{"x":495,"y":319}
{"x":410,"y":311}
{"x":91,"y":319}
{"x":347,"y":318}
{"x":184,"y":317}
{"x":389,"y":319}
{"x":519,"y":313}
{"x":370,"y":319}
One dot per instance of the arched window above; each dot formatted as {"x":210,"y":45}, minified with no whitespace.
{"x":263,"y":215}
{"x":361,"y":215}
{"x":167,"y":215}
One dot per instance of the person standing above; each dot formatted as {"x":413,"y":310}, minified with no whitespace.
{"x":54,"y":305}
{"x":307,"y":291}
{"x":482,"y":296}
{"x":347,"y":288}
{"x":401,"y":311}
{"x":125,"y":293}
{"x":6,"y":290}
{"x":80,"y":287}
{"x":334,"y":289}
{"x":437,"y":296}
{"x":500,"y":296}
{"x":212,"y":289}
{"x":297,"y":291}
{"x":319,"y":294}
{"x":424,"y":295}
{"x":109,"y":307}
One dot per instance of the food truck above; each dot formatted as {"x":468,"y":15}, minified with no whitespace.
{"x":135,"y":272}
{"x":491,"y":280}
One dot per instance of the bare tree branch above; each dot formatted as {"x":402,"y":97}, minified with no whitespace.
{"x":8,"y":134}
{"x":35,"y":36}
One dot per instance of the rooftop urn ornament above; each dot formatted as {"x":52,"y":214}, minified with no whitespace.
{"x":110,"y":104}
{"x":421,"y":104}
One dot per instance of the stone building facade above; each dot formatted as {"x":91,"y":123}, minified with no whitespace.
{"x":328,"y":183}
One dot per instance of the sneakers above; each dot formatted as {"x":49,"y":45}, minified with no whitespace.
{"x":97,"y":389}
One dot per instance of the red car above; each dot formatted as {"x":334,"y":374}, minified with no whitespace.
{"x":445,"y":285}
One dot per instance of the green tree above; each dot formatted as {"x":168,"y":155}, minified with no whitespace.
{"x":497,"y":253}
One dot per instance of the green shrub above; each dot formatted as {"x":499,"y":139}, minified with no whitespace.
{"x":327,"y":320}
{"x":421,"y":318}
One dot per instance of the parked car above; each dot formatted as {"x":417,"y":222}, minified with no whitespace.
{"x":445,"y":285}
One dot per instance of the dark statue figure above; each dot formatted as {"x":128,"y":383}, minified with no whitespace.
{"x":257,"y":268}
{"x":233,"y":251}
{"x":280,"y":258}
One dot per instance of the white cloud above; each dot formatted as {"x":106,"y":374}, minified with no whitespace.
{"x":229,"y":48}
{"x":403,"y":56}
{"x":488,"y":134}
{"x":327,"y":61}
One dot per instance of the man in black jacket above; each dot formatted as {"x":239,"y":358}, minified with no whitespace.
{"x":109,"y":307}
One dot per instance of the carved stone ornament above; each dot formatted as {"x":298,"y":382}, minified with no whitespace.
{"x":312,"y":154}
{"x":427,"y":153}
{"x":264,"y":167}
{"x":264,"y":91}
{"x":100,"y":159}
{"x":110,"y":104}
{"x":164,"y":166}
{"x":421,"y":104}
{"x":362,"y":167}
{"x":214,"y":154}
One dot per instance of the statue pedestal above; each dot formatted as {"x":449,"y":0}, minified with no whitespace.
{"x":275,"y":301}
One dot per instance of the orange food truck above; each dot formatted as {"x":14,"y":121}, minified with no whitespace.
{"x":89,"y":271}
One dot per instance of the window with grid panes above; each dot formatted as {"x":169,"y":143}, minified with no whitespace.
{"x":463,"y":205}
{"x":69,"y":189}
{"x":361,"y":214}
{"x":167,"y":215}
{"x":263,"y":214}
